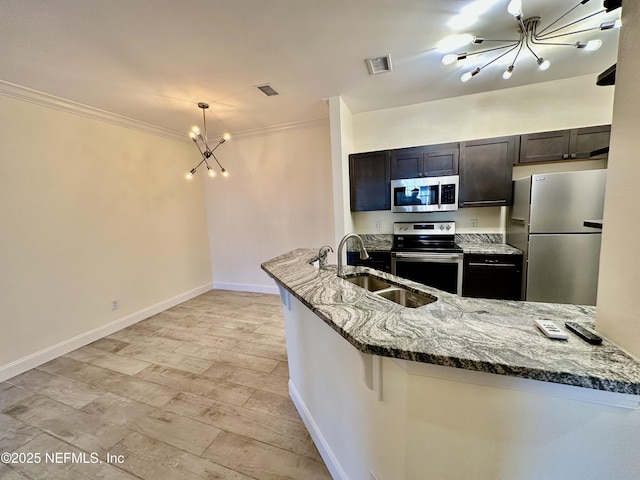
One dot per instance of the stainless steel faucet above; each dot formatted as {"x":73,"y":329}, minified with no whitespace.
{"x":363,"y":251}
{"x":322,"y":255}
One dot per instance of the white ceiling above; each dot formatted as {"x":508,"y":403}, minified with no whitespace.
{"x":154,"y":60}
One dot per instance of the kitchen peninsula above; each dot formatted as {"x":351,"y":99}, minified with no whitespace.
{"x":387,"y":404}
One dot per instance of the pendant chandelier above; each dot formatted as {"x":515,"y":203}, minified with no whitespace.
{"x":531,"y":36}
{"x":203,"y":147}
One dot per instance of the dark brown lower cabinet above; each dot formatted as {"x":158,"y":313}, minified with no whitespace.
{"x":492,"y":276}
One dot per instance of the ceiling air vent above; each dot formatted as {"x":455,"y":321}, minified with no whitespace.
{"x":379,"y":64}
{"x":267,"y":90}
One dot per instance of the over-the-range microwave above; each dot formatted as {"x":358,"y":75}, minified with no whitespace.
{"x":425,"y":194}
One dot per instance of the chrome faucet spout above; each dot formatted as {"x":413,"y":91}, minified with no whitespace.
{"x":363,"y":251}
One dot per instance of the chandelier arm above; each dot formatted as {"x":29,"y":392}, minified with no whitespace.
{"x":560,"y":35}
{"x":553,"y":43}
{"x":216,"y":147}
{"x":500,"y":56}
{"x":521,"y":44}
{"x":199,"y":149}
{"x":515,"y":44}
{"x":214,"y":157}
{"x":204,"y":160}
{"x":531,"y":49}
{"x":581,"y":2}
{"x":542,"y":35}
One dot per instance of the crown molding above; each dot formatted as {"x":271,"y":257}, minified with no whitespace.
{"x":69,"y":106}
{"x":58,"y":103}
{"x":281,"y":128}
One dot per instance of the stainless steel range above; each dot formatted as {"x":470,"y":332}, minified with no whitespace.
{"x":426,"y":252}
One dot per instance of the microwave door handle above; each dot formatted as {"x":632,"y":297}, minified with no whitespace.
{"x":439,"y":195}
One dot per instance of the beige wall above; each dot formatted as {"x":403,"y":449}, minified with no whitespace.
{"x":617,"y":312}
{"x":573,"y":102}
{"x":91,"y":212}
{"x":278,"y":197}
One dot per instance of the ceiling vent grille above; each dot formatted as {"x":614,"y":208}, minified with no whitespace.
{"x":378,"y":65}
{"x":267,"y":90}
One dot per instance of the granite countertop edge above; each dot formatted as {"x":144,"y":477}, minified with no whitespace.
{"x":492,"y":336}
{"x":470,"y":244}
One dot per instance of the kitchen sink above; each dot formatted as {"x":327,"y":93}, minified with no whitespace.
{"x":405,"y":297}
{"x":368,"y":282}
{"x":394,"y":293}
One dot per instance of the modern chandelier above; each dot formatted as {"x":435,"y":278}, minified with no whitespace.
{"x":531,"y":36}
{"x":203,"y":147}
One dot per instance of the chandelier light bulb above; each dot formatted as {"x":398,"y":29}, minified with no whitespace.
{"x":467,"y":76}
{"x":226,"y":136}
{"x":210,"y":171}
{"x":189,"y":175}
{"x":593,"y":45}
{"x":192,"y":135}
{"x":449,"y":58}
{"x":195,"y":130}
{"x":508,"y":72}
{"x":543,"y":64}
{"x":515,"y":8}
{"x":225,"y":173}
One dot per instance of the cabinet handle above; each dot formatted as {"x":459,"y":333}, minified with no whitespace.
{"x":484,"y":202}
{"x":503,"y":265}
{"x":517,"y":220}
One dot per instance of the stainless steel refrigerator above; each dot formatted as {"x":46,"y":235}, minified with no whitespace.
{"x":547,"y":222}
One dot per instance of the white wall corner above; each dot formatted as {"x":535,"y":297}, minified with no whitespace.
{"x":341,"y":130}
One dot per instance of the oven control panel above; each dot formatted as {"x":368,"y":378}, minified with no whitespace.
{"x":424,"y":228}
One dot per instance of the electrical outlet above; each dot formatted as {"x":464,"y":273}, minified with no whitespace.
{"x":377,"y":226}
{"x":115,"y":304}
{"x":474,"y":223}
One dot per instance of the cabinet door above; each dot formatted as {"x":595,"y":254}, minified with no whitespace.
{"x":406,"y":163}
{"x":584,"y":141}
{"x":486,"y":171}
{"x":545,"y":146}
{"x":369,"y":181}
{"x":440,"y":160}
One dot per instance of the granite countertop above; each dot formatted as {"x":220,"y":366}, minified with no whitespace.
{"x":494,"y":336}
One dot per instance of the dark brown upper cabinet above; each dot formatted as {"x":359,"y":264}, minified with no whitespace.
{"x":427,"y":161}
{"x":369,"y":181}
{"x":486,"y":171}
{"x":563,"y":145}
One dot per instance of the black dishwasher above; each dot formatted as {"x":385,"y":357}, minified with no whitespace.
{"x":492,"y":276}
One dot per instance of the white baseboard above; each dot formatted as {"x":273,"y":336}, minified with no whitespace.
{"x":43,"y":356}
{"x":330,"y":460}
{"x":246,"y":287}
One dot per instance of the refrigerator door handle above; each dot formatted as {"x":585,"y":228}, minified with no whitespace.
{"x":518,"y":220}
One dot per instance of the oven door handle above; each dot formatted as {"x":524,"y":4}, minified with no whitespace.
{"x":428,"y":257}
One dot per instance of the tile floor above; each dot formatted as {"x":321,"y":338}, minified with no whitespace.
{"x":196,"y":392}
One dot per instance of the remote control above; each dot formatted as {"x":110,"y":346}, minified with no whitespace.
{"x":551,"y":330}
{"x":583,"y":333}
